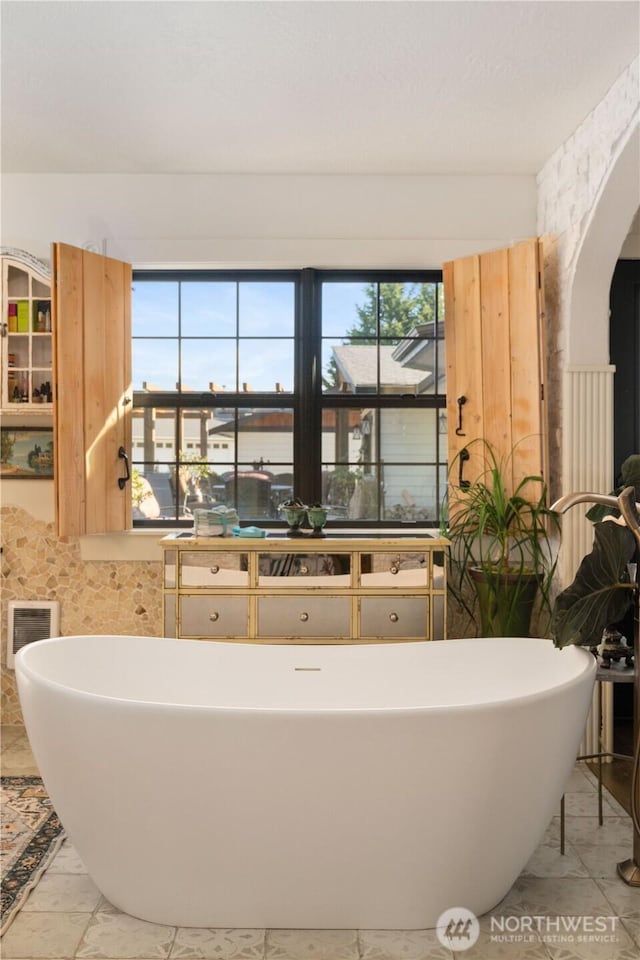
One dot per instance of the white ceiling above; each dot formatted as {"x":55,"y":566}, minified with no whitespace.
{"x":144,"y":86}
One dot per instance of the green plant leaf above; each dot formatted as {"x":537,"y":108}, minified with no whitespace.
{"x":601,"y":593}
{"x":630,"y":477}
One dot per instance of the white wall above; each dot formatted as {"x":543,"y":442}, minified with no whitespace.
{"x":270,"y":221}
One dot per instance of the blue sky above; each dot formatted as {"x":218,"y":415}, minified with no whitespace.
{"x":266,"y":310}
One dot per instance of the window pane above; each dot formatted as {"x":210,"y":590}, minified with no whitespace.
{"x":154,"y":309}
{"x":444,"y":440}
{"x":267,"y":309}
{"x":405,"y":307}
{"x":349,"y":368}
{"x":349,"y":493}
{"x":153,"y":454}
{"x":410,"y":493}
{"x":443,"y":476}
{"x":207,"y":455}
{"x":281,"y":484}
{"x":155,"y":364}
{"x":207,"y":435}
{"x":208,"y":309}
{"x":250,"y":492}
{"x":408,"y":436}
{"x":154,"y":436}
{"x":335,"y":373}
{"x":265,"y":437}
{"x":348,"y":436}
{"x":397,"y":366}
{"x":266,"y":365}
{"x":349,"y":309}
{"x":416,"y":363}
{"x":207,"y":362}
{"x":396,"y":376}
{"x":441,"y":301}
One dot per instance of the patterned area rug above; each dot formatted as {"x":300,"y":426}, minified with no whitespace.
{"x":31,"y":836}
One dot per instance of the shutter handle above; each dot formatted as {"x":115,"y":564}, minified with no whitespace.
{"x":214,"y":616}
{"x":122,"y":453}
{"x":393,"y":617}
{"x":304,"y":617}
{"x":464,"y":456}
{"x":461,"y":402}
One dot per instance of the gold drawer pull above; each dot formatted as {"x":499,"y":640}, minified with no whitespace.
{"x":393,"y":569}
{"x":304,"y":617}
{"x":215,"y":569}
{"x":393,"y":617}
{"x":214,"y":616}
{"x":304,"y":569}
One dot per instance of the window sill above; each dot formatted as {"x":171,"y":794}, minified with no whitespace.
{"x":131,"y":545}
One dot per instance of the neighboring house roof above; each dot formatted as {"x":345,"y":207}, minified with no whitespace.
{"x":417,"y":349}
{"x":281,"y":420}
{"x":358,"y":366}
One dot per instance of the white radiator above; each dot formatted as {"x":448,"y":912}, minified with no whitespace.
{"x":30,"y":620}
{"x":587,"y":464}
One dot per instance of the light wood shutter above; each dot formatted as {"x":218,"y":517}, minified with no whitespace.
{"x":92,"y":373}
{"x":494,"y":338}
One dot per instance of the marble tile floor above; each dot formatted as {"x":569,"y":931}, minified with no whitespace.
{"x":66,"y":917}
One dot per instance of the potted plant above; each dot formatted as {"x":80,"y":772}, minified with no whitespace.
{"x":502,"y":556}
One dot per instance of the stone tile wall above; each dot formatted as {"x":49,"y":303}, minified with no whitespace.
{"x":109,"y":597}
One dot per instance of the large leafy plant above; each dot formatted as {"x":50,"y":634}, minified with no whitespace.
{"x":603,"y":589}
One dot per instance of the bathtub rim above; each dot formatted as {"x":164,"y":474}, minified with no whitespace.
{"x":589,"y":666}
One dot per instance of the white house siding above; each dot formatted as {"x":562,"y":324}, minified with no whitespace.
{"x":408,"y":436}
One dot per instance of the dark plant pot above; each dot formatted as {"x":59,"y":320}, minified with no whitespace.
{"x":506,"y":601}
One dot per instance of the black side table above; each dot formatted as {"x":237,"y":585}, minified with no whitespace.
{"x":616,"y":673}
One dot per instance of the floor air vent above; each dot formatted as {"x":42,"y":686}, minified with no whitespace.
{"x":30,"y":620}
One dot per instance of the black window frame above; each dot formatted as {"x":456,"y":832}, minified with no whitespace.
{"x":307,"y":399}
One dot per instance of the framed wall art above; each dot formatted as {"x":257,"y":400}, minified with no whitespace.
{"x":26,"y":453}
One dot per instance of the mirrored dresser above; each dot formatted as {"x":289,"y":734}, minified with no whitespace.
{"x":331,"y":589}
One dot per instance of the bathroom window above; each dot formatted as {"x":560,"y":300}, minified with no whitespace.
{"x":253,"y":387}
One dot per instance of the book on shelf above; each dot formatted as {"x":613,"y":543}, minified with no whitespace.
{"x":23,"y":316}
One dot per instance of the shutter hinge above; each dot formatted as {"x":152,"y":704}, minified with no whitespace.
{"x":542,"y":391}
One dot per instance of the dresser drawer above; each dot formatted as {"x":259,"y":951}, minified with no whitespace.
{"x":202,"y":616}
{"x":391,"y":617}
{"x":284,"y":570}
{"x":304,"y":617}
{"x":394,"y":571}
{"x":213,"y":568}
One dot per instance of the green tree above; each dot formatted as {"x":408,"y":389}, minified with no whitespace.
{"x":401,"y":307}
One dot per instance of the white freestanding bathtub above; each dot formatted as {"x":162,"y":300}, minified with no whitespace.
{"x":239,"y":785}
